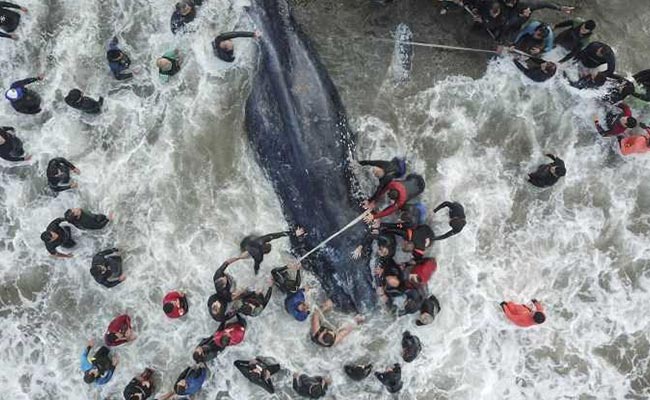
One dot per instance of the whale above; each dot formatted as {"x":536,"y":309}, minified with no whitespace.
{"x":298,"y":129}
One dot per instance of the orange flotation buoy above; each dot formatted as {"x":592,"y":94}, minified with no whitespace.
{"x":634,"y":145}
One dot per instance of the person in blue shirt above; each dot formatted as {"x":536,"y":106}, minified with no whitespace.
{"x":535,"y":38}
{"x":118,"y":61}
{"x":184,"y":13}
{"x":191,"y":380}
{"x":296,"y":305}
{"x":100,"y":367}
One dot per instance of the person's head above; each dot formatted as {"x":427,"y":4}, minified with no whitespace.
{"x":392,"y":281}
{"x":97,"y":270}
{"x":535,"y":50}
{"x":495,"y":9}
{"x":74,"y":96}
{"x":408,"y":247}
{"x":164,"y":64}
{"x":13,"y":94}
{"x":180,"y":386}
{"x":539,"y":317}
{"x":303,"y":307}
{"x":225,"y":340}
{"x":549,"y":67}
{"x":541,"y":32}
{"x":457,"y":224}
{"x":587,"y":27}
{"x":199,"y":355}
{"x":216,"y":307}
{"x":558,"y":170}
{"x":393,"y":194}
{"x":246,"y":309}
{"x":600,"y":51}
{"x":267,"y":248}
{"x":385,"y":246}
{"x":227,"y":45}
{"x":510,"y":3}
{"x":91,"y":375}
{"x":114,"y":55}
{"x":49,"y":236}
{"x":327,"y":338}
{"x":221,"y":283}
{"x":629,"y":122}
{"x":424,"y":319}
{"x":72,"y":214}
{"x":185,"y":7}
{"x":168,"y":307}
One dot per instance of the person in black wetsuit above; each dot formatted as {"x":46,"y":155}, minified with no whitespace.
{"x":595,"y":55}
{"x":141,"y":387}
{"x":9,"y":20}
{"x":391,"y":378}
{"x":411,"y":347}
{"x":106,"y":268}
{"x":259,"y":371}
{"x":428,"y":311}
{"x":323,"y":333}
{"x":11,"y":148}
{"x":55,"y":235}
{"x":284,"y":281}
{"x":224,"y":284}
{"x":548,"y":174}
{"x":223,"y":46}
{"x":24,"y":100}
{"x":519,"y":12}
{"x":58,"y":174}
{"x":76,"y":99}
{"x":537,"y":69}
{"x":456,"y":218}
{"x":357,"y":371}
{"x":416,"y":240}
{"x":253,"y":302}
{"x":313,"y":387}
{"x":100,"y":367}
{"x":576,"y":37}
{"x":118,"y":61}
{"x":256,"y":246}
{"x":415,"y":296}
{"x":620,"y":89}
{"x":385,"y":171}
{"x":82,"y":219}
{"x":218,"y":308}
{"x":642,"y":90}
{"x":206,"y":350}
{"x":392,"y":280}
{"x":184,"y":13}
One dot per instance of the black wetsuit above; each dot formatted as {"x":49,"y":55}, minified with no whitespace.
{"x":532,"y":68}
{"x":254,"y":245}
{"x":58,"y":174}
{"x":417,"y":235}
{"x":119,"y":68}
{"x":113,"y":267}
{"x":9,"y":20}
{"x":311,"y":387}
{"x":179,"y":20}
{"x":391,"y":379}
{"x":411,"y":347}
{"x":64,"y":239}
{"x":392,"y":170}
{"x":358,"y":372}
{"x":571,"y":39}
{"x":515,"y":18}
{"x":283,"y":280}
{"x":643,"y":78}
{"x":543,"y":177}
{"x":259,"y":371}
{"x":621,"y":89}
{"x":85,"y":104}
{"x":392,"y":269}
{"x":135,"y":387}
{"x":430,"y":306}
{"x":224,"y":293}
{"x":414,"y":299}
{"x":254,"y":303}
{"x":590,"y":59}
{"x":12,"y":148}
{"x":228,"y":55}
{"x":101,"y":360}
{"x":456,"y":218}
{"x":223,"y":314}
{"x":29,"y":102}
{"x":210,"y":349}
{"x":87,"y":220}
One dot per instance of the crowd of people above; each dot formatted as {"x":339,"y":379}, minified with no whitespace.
{"x":398,"y":222}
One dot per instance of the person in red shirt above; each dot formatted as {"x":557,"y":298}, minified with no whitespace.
{"x":618,"y":123}
{"x":175,"y":304}
{"x":119,"y":331}
{"x":422,"y":271}
{"x":400,"y":192}
{"x":522,"y":315}
{"x":230,"y":333}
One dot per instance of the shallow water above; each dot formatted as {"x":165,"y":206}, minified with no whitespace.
{"x":172,"y":162}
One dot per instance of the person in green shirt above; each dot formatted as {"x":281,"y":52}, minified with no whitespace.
{"x":169,"y":65}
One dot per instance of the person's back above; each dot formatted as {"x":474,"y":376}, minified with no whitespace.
{"x":411,"y":347}
{"x":11,"y":147}
{"x":106,"y":268}
{"x":311,"y":387}
{"x":118,"y":61}
{"x":391,"y":378}
{"x":522,"y":315}
{"x":294,"y":305}
{"x":358,"y":372}
{"x":597,"y":54}
{"x":83,"y":219}
{"x":22,"y":99}
{"x":141,"y":387}
{"x":77,"y":100}
{"x":547,"y":175}
{"x":184,"y":13}
{"x":191,"y":380}
{"x":9,"y":19}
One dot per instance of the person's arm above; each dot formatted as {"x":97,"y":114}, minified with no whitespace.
{"x":273,"y":236}
{"x":446,"y":235}
{"x":233,"y":35}
{"x":394,"y":229}
{"x":23,"y":82}
{"x":342,"y":333}
{"x":535,"y":5}
{"x":315,"y":322}
{"x":267,"y":296}
{"x":611,"y":64}
{"x":565,"y":24}
{"x":601,"y":130}
{"x":6,"y":35}
{"x":221,"y":271}
{"x":6,"y":4}
{"x":85,"y":363}
{"x":441,"y":206}
{"x":642,"y":96}
{"x":183,"y":374}
{"x":107,"y":252}
{"x":241,"y":320}
{"x":549,"y":40}
{"x":67,"y":163}
{"x":627,"y":111}
{"x":538,"y":306}
{"x":521,"y":67}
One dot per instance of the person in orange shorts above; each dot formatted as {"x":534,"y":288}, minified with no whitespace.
{"x":522,"y":315}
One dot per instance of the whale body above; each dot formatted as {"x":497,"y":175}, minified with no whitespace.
{"x":297,"y":126}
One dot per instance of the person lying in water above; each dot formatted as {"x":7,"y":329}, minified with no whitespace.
{"x":323,"y":333}
{"x":256,"y":246}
